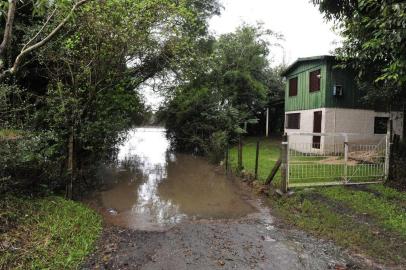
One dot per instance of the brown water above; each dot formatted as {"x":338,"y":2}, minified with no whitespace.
{"x":152,"y":188}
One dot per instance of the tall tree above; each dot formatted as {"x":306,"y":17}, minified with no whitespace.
{"x":374,"y":43}
{"x":226,"y":88}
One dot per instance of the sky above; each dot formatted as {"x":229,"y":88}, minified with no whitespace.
{"x":305,"y":31}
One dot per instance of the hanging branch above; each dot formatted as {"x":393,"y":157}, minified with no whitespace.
{"x":27,"y":49}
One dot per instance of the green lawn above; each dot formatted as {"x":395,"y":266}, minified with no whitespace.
{"x":45,"y":233}
{"x":367,"y":219}
{"x":268,"y":155}
{"x":303,"y":169}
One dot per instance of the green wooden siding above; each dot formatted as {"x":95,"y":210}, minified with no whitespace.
{"x":330,"y":76}
{"x":306,"y":100}
{"x":351,"y":96}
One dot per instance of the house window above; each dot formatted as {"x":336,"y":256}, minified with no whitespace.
{"x":293,"y":121}
{"x":293,"y":87}
{"x":381,"y":125}
{"x":314,"y":81}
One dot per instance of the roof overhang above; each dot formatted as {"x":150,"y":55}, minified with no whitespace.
{"x":306,"y":59}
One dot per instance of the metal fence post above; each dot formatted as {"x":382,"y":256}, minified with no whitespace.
{"x":256,"y":160}
{"x":285,"y":165}
{"x":346,"y":158}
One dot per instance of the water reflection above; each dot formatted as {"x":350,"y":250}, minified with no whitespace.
{"x":152,"y":188}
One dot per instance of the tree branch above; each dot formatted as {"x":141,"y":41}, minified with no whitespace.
{"x":9,"y":28}
{"x":41,"y":43}
{"x":40,"y":31}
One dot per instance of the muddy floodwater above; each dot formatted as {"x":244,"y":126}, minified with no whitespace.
{"x":152,"y":188}
{"x":172,"y":211}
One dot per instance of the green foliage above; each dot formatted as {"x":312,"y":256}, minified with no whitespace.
{"x":85,"y":84}
{"x":224,"y":88}
{"x":374,"y":43}
{"x":30,"y":161}
{"x":46,"y":233}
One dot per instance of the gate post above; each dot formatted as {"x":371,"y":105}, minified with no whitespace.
{"x":387,"y":154}
{"x":346,"y":158}
{"x":285,"y":164}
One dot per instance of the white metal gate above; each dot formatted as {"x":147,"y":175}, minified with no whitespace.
{"x":336,"y":159}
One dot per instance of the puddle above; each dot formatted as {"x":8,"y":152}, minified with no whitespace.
{"x":152,"y":188}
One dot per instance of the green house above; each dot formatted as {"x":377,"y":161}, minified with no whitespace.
{"x":321,"y":98}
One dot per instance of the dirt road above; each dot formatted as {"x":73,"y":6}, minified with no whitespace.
{"x":170,"y":211}
{"x":254,"y":242}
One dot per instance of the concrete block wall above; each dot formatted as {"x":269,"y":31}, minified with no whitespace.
{"x":338,"y":120}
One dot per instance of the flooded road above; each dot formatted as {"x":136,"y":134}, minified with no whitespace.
{"x":171,"y":211}
{"x":152,"y":188}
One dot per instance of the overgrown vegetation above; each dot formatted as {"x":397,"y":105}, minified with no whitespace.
{"x":226,"y":89}
{"x":369,"y":220}
{"x":71,"y":80}
{"x":71,"y":76}
{"x":45,"y":233}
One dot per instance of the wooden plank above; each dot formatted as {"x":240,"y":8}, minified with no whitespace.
{"x":273,"y":172}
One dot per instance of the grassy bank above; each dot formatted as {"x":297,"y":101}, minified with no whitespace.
{"x":369,"y":220}
{"x":45,"y":233}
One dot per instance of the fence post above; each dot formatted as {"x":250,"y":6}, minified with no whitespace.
{"x":239,"y":154}
{"x":346,"y":158}
{"x":388,"y":150}
{"x":226,"y":157}
{"x":256,"y":160}
{"x":285,"y":165}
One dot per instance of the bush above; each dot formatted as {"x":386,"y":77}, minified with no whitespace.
{"x":30,"y":162}
{"x":217,"y":146}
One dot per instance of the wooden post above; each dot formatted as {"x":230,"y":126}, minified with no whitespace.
{"x":284,"y":165}
{"x":239,"y":154}
{"x":256,"y":160}
{"x":274,"y":171}
{"x":227,"y":150}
